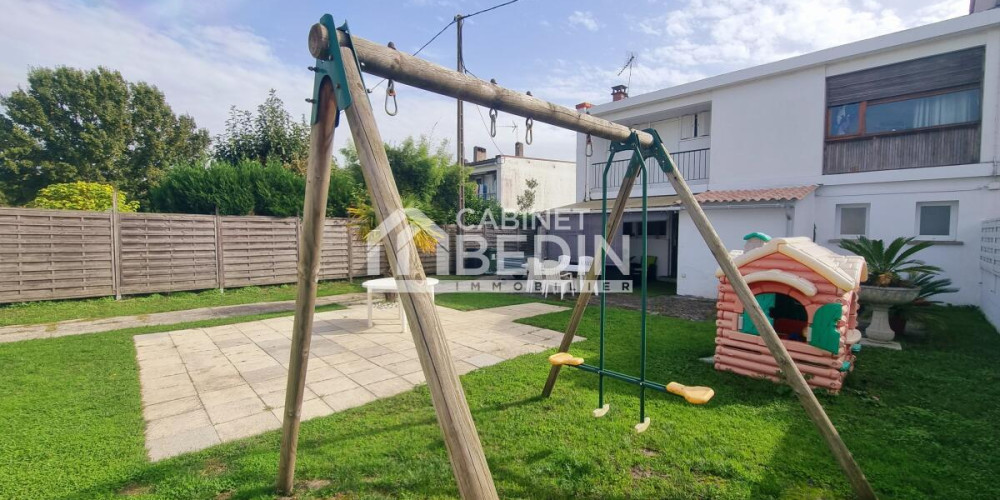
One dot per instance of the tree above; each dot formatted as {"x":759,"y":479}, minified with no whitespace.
{"x":90,"y":196}
{"x":270,"y":135}
{"x":90,"y":125}
{"x":526,"y":200}
{"x":426,"y":175}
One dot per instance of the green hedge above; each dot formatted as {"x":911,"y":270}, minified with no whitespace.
{"x":245,"y":188}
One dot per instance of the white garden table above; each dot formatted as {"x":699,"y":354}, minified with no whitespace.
{"x":389,"y":285}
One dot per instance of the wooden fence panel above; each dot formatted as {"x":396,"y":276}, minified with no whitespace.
{"x":335,"y":254}
{"x":259,"y":250}
{"x":54,"y":254}
{"x":57,"y":254}
{"x":167,"y":252}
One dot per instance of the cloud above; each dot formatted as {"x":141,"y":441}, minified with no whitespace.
{"x":584,"y":19}
{"x":739,"y":33}
{"x":202,"y":70}
{"x":205,"y":69}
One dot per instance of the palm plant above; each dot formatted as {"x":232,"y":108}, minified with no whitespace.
{"x":887,"y":264}
{"x":930,"y":285}
{"x":426,"y":234}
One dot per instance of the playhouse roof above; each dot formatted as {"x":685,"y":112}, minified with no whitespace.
{"x":844,"y":271}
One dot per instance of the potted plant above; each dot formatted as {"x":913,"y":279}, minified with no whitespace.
{"x":886,"y":286}
{"x":917,"y":313}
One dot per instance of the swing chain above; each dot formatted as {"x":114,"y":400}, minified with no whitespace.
{"x":590,"y":147}
{"x":493,"y":122}
{"x":528,"y":134}
{"x":390,"y":91}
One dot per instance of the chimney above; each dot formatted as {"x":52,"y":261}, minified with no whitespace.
{"x":982,"y":5}
{"x":478,"y":154}
{"x":518,"y":148}
{"x":619,"y":92}
{"x":584,"y":107}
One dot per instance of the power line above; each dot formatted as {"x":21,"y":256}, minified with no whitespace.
{"x":489,"y":9}
{"x":422,"y":47}
{"x":445,"y":28}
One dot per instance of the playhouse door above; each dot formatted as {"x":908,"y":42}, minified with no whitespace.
{"x":824,"y":328}
{"x":766,"y":301}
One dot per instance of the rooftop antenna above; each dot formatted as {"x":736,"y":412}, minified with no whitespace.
{"x":629,"y":62}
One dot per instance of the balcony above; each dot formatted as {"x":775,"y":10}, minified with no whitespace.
{"x":693,"y":165}
{"x":487,"y":195}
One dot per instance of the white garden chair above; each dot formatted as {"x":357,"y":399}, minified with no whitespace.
{"x":554,"y":278}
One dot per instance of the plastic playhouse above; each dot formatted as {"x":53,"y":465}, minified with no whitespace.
{"x":810,"y":295}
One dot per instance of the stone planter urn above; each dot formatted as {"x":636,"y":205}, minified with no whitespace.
{"x":880,"y":299}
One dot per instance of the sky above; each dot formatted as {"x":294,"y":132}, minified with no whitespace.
{"x":207,"y":56}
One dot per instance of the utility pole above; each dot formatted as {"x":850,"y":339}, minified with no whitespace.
{"x":460,"y":120}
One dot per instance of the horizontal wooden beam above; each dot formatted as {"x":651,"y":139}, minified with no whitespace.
{"x":403,"y":68}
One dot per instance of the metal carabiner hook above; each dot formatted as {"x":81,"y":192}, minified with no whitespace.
{"x":493,"y":122}
{"x":528,"y":134}
{"x":390,"y":91}
{"x":589,"y":151}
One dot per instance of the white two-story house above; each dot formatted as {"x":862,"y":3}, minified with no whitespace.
{"x":891,"y":136}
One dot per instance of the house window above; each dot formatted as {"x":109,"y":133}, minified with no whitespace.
{"x":923,"y":112}
{"x":948,"y":108}
{"x":852,"y":220}
{"x":905,"y":113}
{"x":843,"y":120}
{"x":696,"y":125}
{"x":937,"y":220}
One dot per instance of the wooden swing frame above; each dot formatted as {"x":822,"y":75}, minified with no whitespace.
{"x":332,"y":47}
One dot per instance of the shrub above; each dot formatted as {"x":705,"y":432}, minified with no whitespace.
{"x":90,"y":196}
{"x":246,"y":188}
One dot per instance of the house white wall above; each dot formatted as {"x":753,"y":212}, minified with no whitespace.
{"x":767,"y":130}
{"x":553,"y":178}
{"x":695,"y":264}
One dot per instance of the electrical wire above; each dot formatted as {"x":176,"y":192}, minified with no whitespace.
{"x":422,"y":47}
{"x":489,"y":9}
{"x":436,"y":35}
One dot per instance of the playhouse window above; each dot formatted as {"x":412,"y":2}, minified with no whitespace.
{"x":786,"y":314}
{"x":790,"y":317}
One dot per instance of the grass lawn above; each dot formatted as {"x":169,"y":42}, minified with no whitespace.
{"x":470,"y":301}
{"x":921,"y":422}
{"x":29,"y":313}
{"x":71,"y":411}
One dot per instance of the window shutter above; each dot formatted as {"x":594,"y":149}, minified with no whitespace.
{"x":766,"y":301}
{"x":687,"y":126}
{"x":941,"y":71}
{"x":704,"y":123}
{"x":824,"y":328}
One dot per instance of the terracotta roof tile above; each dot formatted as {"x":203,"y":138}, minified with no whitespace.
{"x":791,"y":193}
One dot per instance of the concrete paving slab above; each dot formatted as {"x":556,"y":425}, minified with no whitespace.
{"x":201,"y":387}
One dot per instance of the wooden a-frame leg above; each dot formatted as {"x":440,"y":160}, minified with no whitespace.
{"x":468,"y":462}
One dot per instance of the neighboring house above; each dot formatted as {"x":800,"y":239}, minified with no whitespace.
{"x":504,"y":178}
{"x":892,"y":136}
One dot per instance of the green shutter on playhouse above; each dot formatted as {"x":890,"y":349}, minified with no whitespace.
{"x":766,"y":301}
{"x":824,"y":328}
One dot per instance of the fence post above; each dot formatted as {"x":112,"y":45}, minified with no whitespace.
{"x":220,"y":267}
{"x":350,"y":252}
{"x":116,"y":249}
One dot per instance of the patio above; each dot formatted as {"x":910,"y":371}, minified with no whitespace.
{"x":201,"y":387}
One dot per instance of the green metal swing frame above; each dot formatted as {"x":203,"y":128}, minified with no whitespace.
{"x":637,"y":163}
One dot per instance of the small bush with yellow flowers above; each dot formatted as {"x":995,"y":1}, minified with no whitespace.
{"x":90,"y":196}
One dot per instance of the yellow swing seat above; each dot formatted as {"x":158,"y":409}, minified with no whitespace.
{"x":564,"y":358}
